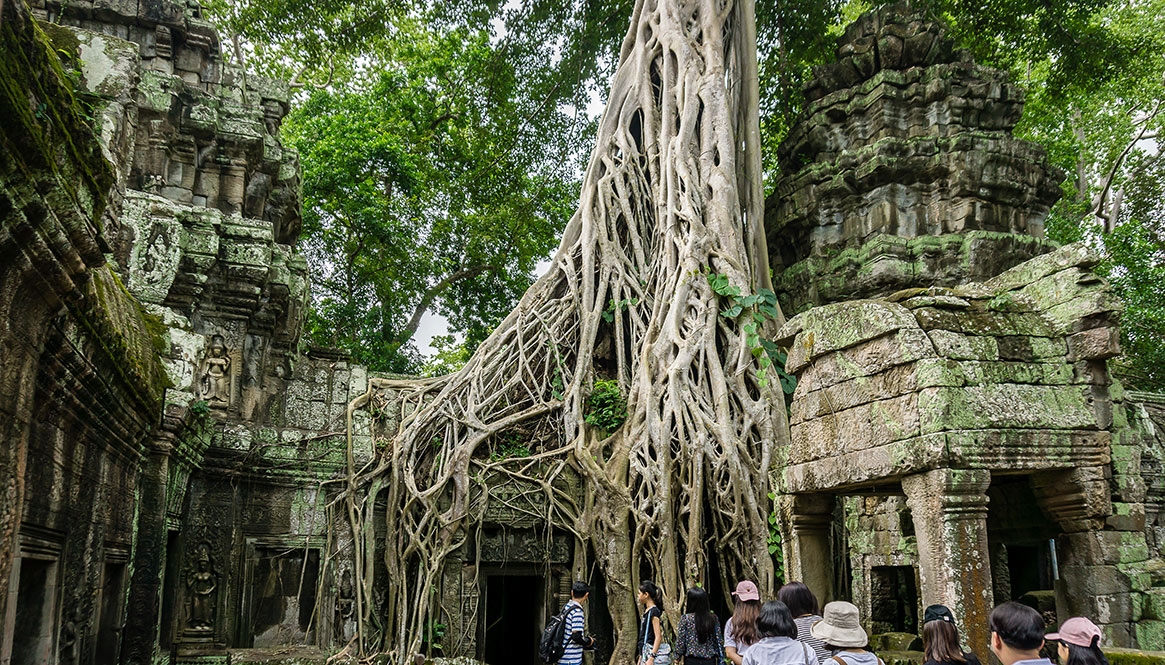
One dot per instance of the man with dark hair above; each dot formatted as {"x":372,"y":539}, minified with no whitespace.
{"x":576,"y":639}
{"x":1017,"y":635}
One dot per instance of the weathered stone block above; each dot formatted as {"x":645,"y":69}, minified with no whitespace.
{"x":1094,"y":344}
{"x":1095,"y":581}
{"x":870,"y":358}
{"x":1003,"y":405}
{"x":835,"y":327}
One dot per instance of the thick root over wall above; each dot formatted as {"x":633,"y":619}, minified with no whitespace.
{"x":672,"y":193}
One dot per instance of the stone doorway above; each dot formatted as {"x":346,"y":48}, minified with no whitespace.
{"x":32,"y":624}
{"x":894,"y":599}
{"x":111,"y":620}
{"x":281,"y":596}
{"x":514,"y":613}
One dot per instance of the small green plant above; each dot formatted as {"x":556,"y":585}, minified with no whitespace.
{"x":199,"y":408}
{"x":606,"y":406}
{"x":615,"y":306}
{"x":510,"y":445}
{"x":434,"y":634}
{"x":556,"y":385}
{"x":753,"y":311}
{"x":774,"y":540}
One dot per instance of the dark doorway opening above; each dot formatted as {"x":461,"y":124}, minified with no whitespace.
{"x":513,"y":618}
{"x":1029,"y":568}
{"x":893,"y":599}
{"x":32,"y":635}
{"x":110,"y":624}
{"x":284,"y":596}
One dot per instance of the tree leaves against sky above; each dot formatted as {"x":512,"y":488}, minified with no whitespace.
{"x":518,"y":75}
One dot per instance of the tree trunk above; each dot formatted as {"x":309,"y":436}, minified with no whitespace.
{"x":671,"y":195}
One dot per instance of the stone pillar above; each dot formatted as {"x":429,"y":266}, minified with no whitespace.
{"x":949,"y":508}
{"x":144,"y":608}
{"x":809,"y":557}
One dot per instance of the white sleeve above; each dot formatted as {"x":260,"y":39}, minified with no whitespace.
{"x":729,"y":640}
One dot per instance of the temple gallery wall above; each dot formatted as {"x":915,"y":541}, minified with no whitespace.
{"x":170,"y":446}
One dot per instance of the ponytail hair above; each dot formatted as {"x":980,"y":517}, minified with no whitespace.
{"x":654,"y":592}
{"x":1089,"y":655}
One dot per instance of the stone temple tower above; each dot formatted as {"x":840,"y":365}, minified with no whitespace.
{"x":903,"y":170}
{"x":956,"y":436}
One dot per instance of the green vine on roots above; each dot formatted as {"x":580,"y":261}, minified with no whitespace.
{"x":774,"y":541}
{"x":756,"y":310}
{"x":606,"y":406}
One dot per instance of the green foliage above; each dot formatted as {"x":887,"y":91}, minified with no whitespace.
{"x":606,"y":406}
{"x":434,"y":634}
{"x":616,"y":306}
{"x":509,"y":445}
{"x":200,"y":408}
{"x":754,"y":311}
{"x":774,"y":539}
{"x":418,"y":197}
{"x":1103,"y":125}
{"x":449,"y":356}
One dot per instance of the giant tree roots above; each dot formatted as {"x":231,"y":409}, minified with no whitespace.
{"x":672,"y":194}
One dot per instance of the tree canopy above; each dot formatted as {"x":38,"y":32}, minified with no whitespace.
{"x":442,"y":142}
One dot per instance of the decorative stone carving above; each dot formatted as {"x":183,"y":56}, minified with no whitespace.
{"x":215,"y":382}
{"x":201,"y":588}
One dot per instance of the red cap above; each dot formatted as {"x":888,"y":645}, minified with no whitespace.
{"x":746,"y":590}
{"x":1078,"y":631}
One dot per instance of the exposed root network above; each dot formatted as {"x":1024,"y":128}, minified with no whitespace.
{"x":672,"y":193}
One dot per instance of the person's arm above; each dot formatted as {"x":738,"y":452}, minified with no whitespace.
{"x":730,"y":645}
{"x":657,"y":626}
{"x":682,"y":639}
{"x":576,"y":630}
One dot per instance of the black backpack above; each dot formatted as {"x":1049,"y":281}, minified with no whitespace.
{"x":553,"y":642}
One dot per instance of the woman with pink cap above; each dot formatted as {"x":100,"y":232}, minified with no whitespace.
{"x":1079,"y":643}
{"x":740,"y":631}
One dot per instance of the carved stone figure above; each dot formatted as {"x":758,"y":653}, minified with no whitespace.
{"x":345,"y":608}
{"x":201,"y":583}
{"x":215,"y":383}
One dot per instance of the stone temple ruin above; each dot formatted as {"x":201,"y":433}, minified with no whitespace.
{"x":169,"y":445}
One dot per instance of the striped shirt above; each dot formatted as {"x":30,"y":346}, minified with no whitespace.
{"x":575,"y":623}
{"x":805,"y":635}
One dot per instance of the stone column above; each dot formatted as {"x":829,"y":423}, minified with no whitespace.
{"x":809,"y":557}
{"x":143,"y":612}
{"x":949,"y":508}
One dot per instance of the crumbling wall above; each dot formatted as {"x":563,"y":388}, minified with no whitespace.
{"x":81,"y":385}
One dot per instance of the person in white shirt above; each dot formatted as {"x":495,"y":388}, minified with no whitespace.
{"x":1017,"y":635}
{"x":740,"y":630}
{"x":778,"y":644}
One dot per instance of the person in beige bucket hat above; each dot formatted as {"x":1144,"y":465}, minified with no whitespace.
{"x":841,"y":630}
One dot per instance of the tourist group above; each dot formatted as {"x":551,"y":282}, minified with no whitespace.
{"x":792,"y":631}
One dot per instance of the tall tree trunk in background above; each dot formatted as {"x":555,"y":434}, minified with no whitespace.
{"x":672,"y":194}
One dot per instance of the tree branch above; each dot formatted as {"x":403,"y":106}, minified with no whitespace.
{"x":431,"y":294}
{"x":1098,"y":203}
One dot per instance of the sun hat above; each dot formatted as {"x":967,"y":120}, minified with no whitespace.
{"x":839,"y":626}
{"x":746,"y":590}
{"x":1077,"y":630}
{"x":938,"y":613}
